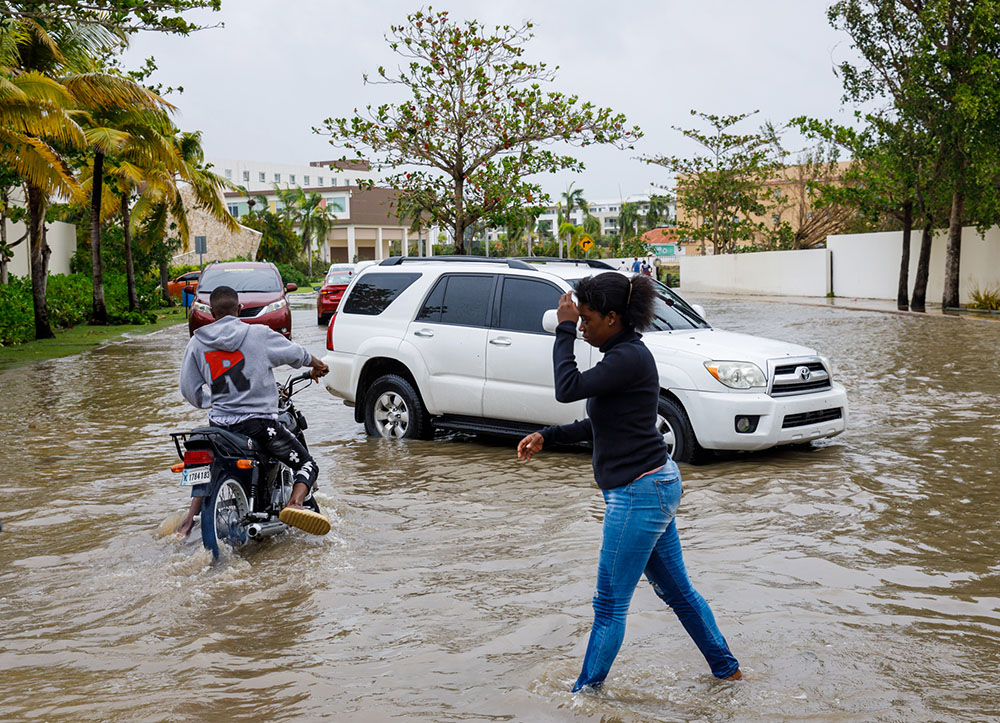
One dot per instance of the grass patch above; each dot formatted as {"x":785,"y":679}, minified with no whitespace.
{"x":985,"y":299}
{"x":81,"y":338}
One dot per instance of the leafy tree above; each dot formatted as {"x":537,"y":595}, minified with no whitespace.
{"x":722,"y":189}
{"x":475,"y":123}
{"x":936,"y":61}
{"x":125,"y":16}
{"x":628,"y":220}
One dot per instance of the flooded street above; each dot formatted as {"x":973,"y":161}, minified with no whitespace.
{"x":855,"y":580}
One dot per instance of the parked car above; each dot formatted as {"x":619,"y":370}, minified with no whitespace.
{"x":332,"y":290}
{"x":261,"y":292}
{"x":459,"y":343}
{"x":187,"y":281}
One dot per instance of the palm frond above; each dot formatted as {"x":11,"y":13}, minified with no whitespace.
{"x":107,"y":140}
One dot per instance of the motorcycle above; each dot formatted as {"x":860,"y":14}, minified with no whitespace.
{"x":247,"y":488}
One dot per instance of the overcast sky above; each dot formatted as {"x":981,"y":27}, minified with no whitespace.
{"x":257,"y":86}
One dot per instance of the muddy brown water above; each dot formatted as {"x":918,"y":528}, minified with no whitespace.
{"x":856,"y":580}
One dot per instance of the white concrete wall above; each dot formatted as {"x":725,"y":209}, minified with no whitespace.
{"x":61,"y":238}
{"x":782,"y":273}
{"x":867,"y":265}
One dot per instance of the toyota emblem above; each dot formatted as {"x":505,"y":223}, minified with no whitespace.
{"x":803,"y":373}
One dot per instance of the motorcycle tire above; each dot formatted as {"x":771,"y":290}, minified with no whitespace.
{"x":223,"y":517}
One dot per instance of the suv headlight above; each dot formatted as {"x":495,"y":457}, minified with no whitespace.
{"x":203,"y":308}
{"x":737,"y":375}
{"x":279,"y":304}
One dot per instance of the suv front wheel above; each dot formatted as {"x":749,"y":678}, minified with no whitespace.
{"x":394,"y":410}
{"x":673,"y":424}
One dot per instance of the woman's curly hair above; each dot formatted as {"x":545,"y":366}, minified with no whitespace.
{"x":632,"y":299}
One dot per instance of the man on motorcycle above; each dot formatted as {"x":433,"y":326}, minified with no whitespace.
{"x":236,"y":361}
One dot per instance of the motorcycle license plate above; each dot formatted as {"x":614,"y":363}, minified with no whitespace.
{"x":196,"y":476}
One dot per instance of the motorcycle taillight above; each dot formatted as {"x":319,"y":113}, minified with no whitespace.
{"x":329,"y":331}
{"x":198,"y":456}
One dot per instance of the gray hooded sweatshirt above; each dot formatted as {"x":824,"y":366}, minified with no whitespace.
{"x":235,"y":360}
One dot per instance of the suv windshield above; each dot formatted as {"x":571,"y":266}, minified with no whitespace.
{"x":670,"y":311}
{"x":241,"y":279}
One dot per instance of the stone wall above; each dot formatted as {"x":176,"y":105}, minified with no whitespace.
{"x":222,"y":243}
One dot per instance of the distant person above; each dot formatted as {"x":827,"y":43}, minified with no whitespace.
{"x":623,"y":266}
{"x":640,"y":482}
{"x":235,"y":361}
{"x":636,"y":265}
{"x":646,"y":269}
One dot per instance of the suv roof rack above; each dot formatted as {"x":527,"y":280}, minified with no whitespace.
{"x":512,"y":263}
{"x":592,"y":263}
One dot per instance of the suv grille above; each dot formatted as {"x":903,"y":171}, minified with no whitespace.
{"x":253,"y":311}
{"x":805,"y":418}
{"x":802,"y":377}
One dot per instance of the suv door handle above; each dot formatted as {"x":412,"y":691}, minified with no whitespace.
{"x":500,"y":341}
{"x":427,"y":333}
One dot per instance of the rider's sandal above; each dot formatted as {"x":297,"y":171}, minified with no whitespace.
{"x":307,"y":520}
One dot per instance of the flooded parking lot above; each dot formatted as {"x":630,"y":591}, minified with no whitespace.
{"x":856,"y":580}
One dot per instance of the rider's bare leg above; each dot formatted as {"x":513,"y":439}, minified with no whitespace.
{"x":299,"y":492}
{"x":184,"y":529}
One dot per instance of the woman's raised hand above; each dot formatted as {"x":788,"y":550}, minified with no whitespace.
{"x":567,"y":310}
{"x":530,"y":446}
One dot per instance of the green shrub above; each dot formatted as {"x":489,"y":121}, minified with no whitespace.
{"x":988,"y":299}
{"x":291,"y":275}
{"x":70,"y":302}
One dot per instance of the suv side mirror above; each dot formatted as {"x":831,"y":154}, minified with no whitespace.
{"x":699,"y":310}
{"x":550,"y":321}
{"x":291,"y":287}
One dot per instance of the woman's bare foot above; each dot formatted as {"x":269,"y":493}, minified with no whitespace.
{"x":184,"y":529}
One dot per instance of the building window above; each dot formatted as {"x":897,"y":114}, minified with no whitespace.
{"x":291,"y":178}
{"x":305,"y":180}
{"x":234,"y":209}
{"x":262,"y":177}
{"x":277,"y":178}
{"x":229,"y":173}
{"x":319,"y":180}
{"x":246,"y":176}
{"x":333,"y":182}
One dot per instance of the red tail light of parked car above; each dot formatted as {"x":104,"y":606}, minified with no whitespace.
{"x":329,"y":332}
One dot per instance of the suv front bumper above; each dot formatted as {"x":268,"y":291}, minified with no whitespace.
{"x":713,"y":417}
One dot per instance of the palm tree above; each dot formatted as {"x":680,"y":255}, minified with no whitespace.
{"x":129,"y":136}
{"x":628,"y":218}
{"x":37,"y":127}
{"x":308,"y":214}
{"x":574,"y":200}
{"x":161,"y":204}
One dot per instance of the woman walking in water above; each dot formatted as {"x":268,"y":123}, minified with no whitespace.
{"x":640,"y":483}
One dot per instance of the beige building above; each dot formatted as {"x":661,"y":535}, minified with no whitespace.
{"x":792,"y":201}
{"x":221,"y":243}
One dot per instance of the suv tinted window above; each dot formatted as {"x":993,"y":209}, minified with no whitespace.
{"x":462,"y":299}
{"x":523,"y":302}
{"x":372,"y":293}
{"x":241,"y":279}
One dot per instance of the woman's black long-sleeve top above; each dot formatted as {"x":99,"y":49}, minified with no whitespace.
{"x":622,"y":391}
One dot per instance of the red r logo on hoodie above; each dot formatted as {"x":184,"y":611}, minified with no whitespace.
{"x":226,"y":365}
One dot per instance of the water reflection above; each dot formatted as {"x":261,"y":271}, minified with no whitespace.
{"x":856,"y":579}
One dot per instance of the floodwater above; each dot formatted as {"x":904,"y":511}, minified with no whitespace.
{"x":855,"y":580}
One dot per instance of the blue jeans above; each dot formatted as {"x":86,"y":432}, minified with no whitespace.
{"x":640,"y":535}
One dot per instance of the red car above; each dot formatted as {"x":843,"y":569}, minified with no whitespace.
{"x":261,"y":292}
{"x":332,"y":291}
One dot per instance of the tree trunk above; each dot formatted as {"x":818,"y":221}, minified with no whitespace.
{"x":133,"y":298}
{"x":953,"y":259}
{"x":307,"y":249}
{"x":39,"y":252}
{"x":99,"y":312}
{"x":918,"y":302}
{"x":902,"y":302}
{"x":164,"y":280}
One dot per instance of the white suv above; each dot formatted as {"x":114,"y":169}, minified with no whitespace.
{"x":459,"y":343}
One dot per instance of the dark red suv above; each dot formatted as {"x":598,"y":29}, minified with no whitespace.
{"x":332,"y":291}
{"x":261,"y":292}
